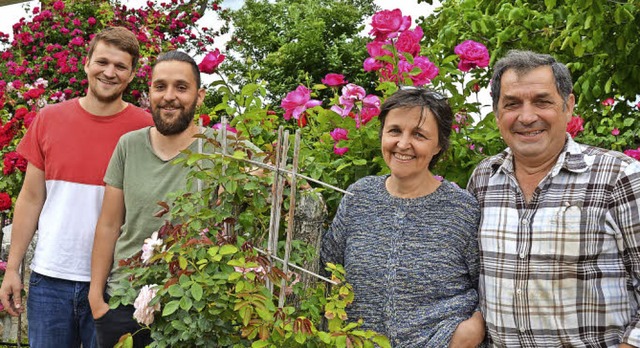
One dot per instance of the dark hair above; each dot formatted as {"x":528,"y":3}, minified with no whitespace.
{"x":525,"y":61}
{"x":411,"y":97}
{"x":120,"y":37}
{"x":180,"y":57}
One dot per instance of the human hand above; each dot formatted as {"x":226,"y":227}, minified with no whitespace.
{"x":469,"y":333}
{"x":11,"y":293}
{"x":624,"y":345}
{"x":98,"y":306}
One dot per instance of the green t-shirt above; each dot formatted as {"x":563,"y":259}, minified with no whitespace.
{"x":145,"y":180}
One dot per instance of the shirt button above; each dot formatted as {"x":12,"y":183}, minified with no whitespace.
{"x":525,"y":221}
{"x":522,"y":329}
{"x":518,"y":291}
{"x":522,"y":255}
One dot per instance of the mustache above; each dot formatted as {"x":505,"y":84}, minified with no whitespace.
{"x":520,"y":127}
{"x":170,"y":105}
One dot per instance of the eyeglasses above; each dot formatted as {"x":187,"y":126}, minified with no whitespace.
{"x":433,"y":94}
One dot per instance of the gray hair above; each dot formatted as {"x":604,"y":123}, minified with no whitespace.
{"x":525,"y":61}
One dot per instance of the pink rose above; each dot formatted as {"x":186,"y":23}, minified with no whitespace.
{"x":218,"y":126}
{"x":340,"y":150}
{"x":608,"y":102}
{"x":376,"y":49}
{"x":296,"y":102}
{"x":387,"y":24}
{"x":92,"y":21}
{"x":211,"y":61}
{"x":615,"y":132}
{"x":372,"y":64}
{"x":409,"y":41}
{"x":351,"y":93}
{"x":429,"y":71}
{"x":339,"y":134}
{"x":575,"y":126}
{"x":472,"y":54}
{"x":334,"y":80}
{"x":633,"y":153}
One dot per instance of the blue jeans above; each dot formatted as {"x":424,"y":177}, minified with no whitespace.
{"x":59,"y":314}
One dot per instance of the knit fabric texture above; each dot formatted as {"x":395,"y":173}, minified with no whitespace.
{"x":413,"y":262}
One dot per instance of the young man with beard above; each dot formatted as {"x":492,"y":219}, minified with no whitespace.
{"x":68,"y":147}
{"x":139,"y":175}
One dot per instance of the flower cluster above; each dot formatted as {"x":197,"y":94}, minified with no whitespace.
{"x":339,"y":134}
{"x":353,"y":96}
{"x":393,"y":42}
{"x":5,"y":201}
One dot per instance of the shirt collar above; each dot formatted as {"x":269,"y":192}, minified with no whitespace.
{"x":571,"y":158}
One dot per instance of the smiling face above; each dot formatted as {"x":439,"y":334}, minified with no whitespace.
{"x":174,"y":96}
{"x":531,"y":115}
{"x":408,"y":143}
{"x":109,"y":72}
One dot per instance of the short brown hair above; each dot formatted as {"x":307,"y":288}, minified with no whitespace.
{"x":120,"y":37}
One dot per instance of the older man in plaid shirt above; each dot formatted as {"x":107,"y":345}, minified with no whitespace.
{"x":560,"y":228}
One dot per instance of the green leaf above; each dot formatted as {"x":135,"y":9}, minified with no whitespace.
{"x":186,"y":303}
{"x":550,"y":4}
{"x":228,"y":249}
{"x":170,"y":308}
{"x":182,"y":261}
{"x":259,"y":344}
{"x":176,"y":291}
{"x":196,"y":291}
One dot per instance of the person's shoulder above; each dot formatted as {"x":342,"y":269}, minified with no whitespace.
{"x":456,"y":193}
{"x":135,"y":136}
{"x":611,"y":157}
{"x":61,"y":108}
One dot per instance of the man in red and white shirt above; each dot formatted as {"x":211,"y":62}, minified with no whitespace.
{"x":68,"y":147}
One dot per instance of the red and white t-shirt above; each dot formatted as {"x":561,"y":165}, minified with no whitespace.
{"x":73,"y":148}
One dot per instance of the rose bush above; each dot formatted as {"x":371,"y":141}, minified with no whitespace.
{"x":43,"y":63}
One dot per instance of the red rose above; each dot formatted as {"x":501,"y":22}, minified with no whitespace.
{"x":575,"y":126}
{"x":33,"y":93}
{"x":13,"y":160}
{"x":5,"y":201}
{"x":205,"y":119}
{"x":20,"y":112}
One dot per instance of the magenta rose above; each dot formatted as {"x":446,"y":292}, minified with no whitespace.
{"x":339,"y":134}
{"x":339,"y":150}
{"x":334,"y":80}
{"x":409,"y":41}
{"x":633,"y":153}
{"x":472,"y":54}
{"x":428,"y":71}
{"x":296,"y":102}
{"x":387,"y":24}
{"x":211,"y":61}
{"x":575,"y":126}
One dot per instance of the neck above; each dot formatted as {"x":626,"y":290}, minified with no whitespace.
{"x":169,"y":146}
{"x":412,"y":188}
{"x":96,"y":107}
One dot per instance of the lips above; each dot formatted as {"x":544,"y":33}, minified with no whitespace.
{"x":530,"y":133}
{"x":403,"y":157}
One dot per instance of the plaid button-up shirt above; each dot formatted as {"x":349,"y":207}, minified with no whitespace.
{"x":564,"y":269}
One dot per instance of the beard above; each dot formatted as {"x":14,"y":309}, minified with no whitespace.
{"x":178,"y":125}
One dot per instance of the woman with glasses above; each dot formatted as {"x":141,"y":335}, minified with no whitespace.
{"x":408,"y":240}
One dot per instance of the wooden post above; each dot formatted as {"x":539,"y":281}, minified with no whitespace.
{"x":290,"y":223}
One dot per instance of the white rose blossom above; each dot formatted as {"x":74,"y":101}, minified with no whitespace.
{"x":143,"y":313}
{"x":149,"y":246}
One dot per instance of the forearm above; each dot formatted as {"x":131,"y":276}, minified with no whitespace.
{"x":26,"y":214}
{"x":102,"y":259}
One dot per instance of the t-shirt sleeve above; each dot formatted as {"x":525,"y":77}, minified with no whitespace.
{"x":30,"y":146}
{"x":115,"y":171}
